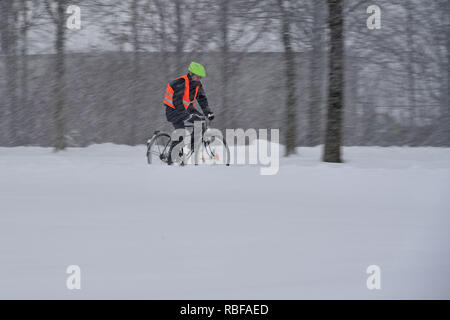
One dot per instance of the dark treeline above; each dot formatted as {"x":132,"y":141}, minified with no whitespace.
{"x":313,"y":69}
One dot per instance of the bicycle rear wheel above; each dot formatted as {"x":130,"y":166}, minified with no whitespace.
{"x":158,"y":148}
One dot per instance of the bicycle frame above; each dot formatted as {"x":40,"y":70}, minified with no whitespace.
{"x":193,"y":145}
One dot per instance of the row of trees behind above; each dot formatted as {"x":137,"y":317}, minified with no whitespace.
{"x":335,"y":80}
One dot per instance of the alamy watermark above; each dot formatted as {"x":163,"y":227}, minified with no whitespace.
{"x":374,"y":280}
{"x":263,"y":147}
{"x":374,"y":20}
{"x":74,"y":20}
{"x":74,"y":280}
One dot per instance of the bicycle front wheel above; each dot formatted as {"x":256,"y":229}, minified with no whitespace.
{"x":214,"y":151}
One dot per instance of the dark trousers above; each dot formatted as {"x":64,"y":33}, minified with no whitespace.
{"x":177,"y":125}
{"x":180,"y":125}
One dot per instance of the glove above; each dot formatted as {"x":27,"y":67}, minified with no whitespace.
{"x":194,"y":117}
{"x":210,"y":116}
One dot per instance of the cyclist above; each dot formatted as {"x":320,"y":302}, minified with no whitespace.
{"x":179,"y":100}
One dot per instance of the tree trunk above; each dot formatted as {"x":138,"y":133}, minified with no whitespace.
{"x":225,"y":75}
{"x":9,"y":49}
{"x":351,"y":132}
{"x":445,"y":89}
{"x":290,"y":137}
{"x":133,"y":120}
{"x":180,"y":37}
{"x":332,"y":150}
{"x":27,"y":110}
{"x":410,"y":68}
{"x":314,"y":133}
{"x":60,"y":85}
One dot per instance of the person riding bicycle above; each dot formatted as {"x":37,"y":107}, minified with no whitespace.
{"x":180,"y":97}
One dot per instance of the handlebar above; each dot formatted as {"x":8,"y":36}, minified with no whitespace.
{"x":203,"y":119}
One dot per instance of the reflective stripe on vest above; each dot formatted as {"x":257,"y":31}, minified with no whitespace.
{"x":168,"y":96}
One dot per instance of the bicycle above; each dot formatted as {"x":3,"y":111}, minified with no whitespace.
{"x":213,"y":149}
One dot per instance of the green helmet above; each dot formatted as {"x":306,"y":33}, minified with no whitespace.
{"x":198,"y":69}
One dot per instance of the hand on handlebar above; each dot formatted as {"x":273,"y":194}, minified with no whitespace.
{"x":194,"y":117}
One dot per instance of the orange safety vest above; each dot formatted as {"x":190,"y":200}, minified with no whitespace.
{"x":168,"y":95}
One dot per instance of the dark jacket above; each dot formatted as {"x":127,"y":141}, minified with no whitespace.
{"x":180,"y":113}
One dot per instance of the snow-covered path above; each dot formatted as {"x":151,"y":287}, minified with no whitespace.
{"x":201,"y":232}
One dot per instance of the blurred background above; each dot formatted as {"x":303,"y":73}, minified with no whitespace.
{"x":269,"y":63}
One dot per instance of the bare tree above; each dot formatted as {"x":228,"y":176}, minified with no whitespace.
{"x":225,"y":49}
{"x":24,"y":52}
{"x":134,"y":9}
{"x":332,"y":149}
{"x":443,"y":40}
{"x":29,"y":13}
{"x":57,"y":16}
{"x":240,"y":16}
{"x":9,"y":42}
{"x":317,"y":68}
{"x":289,"y":62}
{"x":180,"y":34}
{"x":410,"y":61}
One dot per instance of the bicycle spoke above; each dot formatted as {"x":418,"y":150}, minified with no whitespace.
{"x":159,"y":149}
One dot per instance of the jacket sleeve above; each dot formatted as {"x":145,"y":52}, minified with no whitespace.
{"x":178,"y":92}
{"x":203,"y":101}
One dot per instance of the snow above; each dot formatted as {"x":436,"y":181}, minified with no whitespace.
{"x":215,"y":232}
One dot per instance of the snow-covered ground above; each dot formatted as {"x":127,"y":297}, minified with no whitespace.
{"x":310,"y":231}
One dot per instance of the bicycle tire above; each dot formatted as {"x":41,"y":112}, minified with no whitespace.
{"x":207,"y":148}
{"x":160,"y":153}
